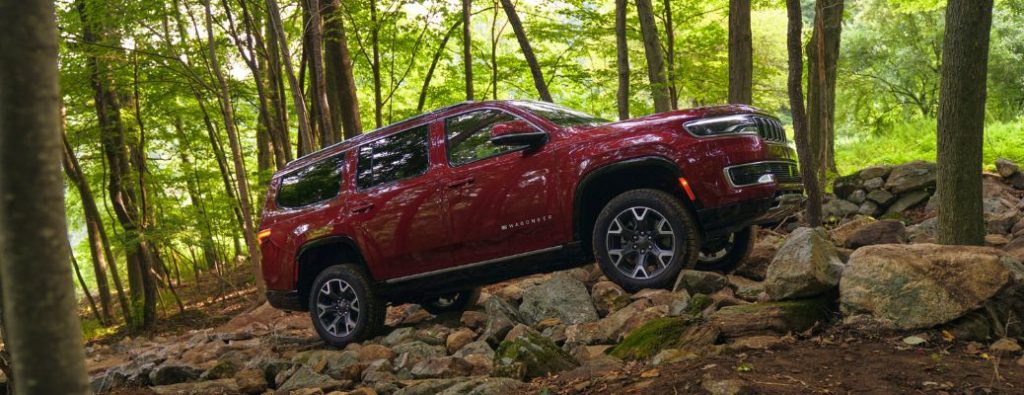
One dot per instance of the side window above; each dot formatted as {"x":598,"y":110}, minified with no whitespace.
{"x":311,"y":184}
{"x":469,"y":135}
{"x":395,"y":157}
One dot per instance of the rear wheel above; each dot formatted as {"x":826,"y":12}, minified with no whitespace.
{"x":643,"y":238}
{"x":343,"y":307}
{"x":723,"y":254}
{"x":457,"y":301}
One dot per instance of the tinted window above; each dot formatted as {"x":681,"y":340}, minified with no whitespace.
{"x":469,"y":135}
{"x":559,"y":115}
{"x":311,"y":184}
{"x":395,"y":157}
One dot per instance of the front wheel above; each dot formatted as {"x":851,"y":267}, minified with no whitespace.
{"x":643,"y":238}
{"x":723,"y":254}
{"x":457,"y":301}
{"x":343,"y":307}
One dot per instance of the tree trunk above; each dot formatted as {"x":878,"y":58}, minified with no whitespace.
{"x":43,"y":333}
{"x":249,"y":230}
{"x":622,"y":57}
{"x":192,"y":183}
{"x":316,"y":36}
{"x":305,"y":135}
{"x":433,"y":65}
{"x":524,"y":43}
{"x":670,"y":54}
{"x":341,"y":86}
{"x":276,"y":101}
{"x":655,"y":63}
{"x":378,"y":103}
{"x":741,"y":58}
{"x":85,"y":290}
{"x":822,"y":58}
{"x":467,"y":47}
{"x":796,"y":104}
{"x":962,"y":121}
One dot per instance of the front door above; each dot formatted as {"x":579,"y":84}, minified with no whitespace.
{"x":501,"y":201}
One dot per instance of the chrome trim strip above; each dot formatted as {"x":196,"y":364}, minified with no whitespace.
{"x":728,"y":178}
{"x":472,"y":265}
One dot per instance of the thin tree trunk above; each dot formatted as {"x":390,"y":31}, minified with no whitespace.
{"x":822,"y":56}
{"x":378,"y":103}
{"x":341,"y":86}
{"x":467,"y":47}
{"x":249,"y":230}
{"x":42,"y":331}
{"x":655,"y":62}
{"x":319,"y":80}
{"x":433,"y":65}
{"x":276,"y":101}
{"x":524,"y":44}
{"x":670,"y":54}
{"x":961,"y":125}
{"x":85,"y":290}
{"x":622,"y":57}
{"x":741,"y":58}
{"x":305,"y":135}
{"x":796,"y":104}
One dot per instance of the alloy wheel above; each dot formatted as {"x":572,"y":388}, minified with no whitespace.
{"x":640,"y":242}
{"x":338,"y":307}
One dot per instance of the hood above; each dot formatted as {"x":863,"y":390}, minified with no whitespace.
{"x":676,"y":117}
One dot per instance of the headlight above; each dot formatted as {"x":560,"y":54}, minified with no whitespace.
{"x":732,"y":124}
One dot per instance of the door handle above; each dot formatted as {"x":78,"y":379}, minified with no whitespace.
{"x":461,"y":182}
{"x":362,"y":208}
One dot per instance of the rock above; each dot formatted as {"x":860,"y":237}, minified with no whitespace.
{"x":173,"y":374}
{"x":911,"y":176}
{"x":746,"y":289}
{"x":806,"y":265}
{"x":996,"y":240}
{"x":458,"y":339}
{"x":923,"y":232}
{"x":872,"y":172}
{"x":501,"y":317}
{"x":473,"y":319}
{"x":858,"y":196}
{"x":755,"y":267}
{"x":770,"y":318}
{"x":757,"y":342}
{"x":379,"y":371}
{"x":463,"y":386}
{"x":922,"y":285}
{"x":399,"y":335}
{"x":869,"y":208}
{"x":874,"y":184}
{"x":726,"y":386}
{"x":1006,"y":167}
{"x":839,"y":208}
{"x":222,"y":370}
{"x":886,"y":231}
{"x":517,"y":331}
{"x":843,"y":232}
{"x":1018,"y":228}
{"x":608,"y":297}
{"x":212,"y":387}
{"x":332,"y":362}
{"x":434,"y":335}
{"x":845,"y":185}
{"x":664,"y":333}
{"x":1016,"y":248}
{"x":881,"y":197}
{"x":604,"y":331}
{"x":478,"y":347}
{"x":372,"y":352}
{"x":412,"y":352}
{"x":529,"y":356}
{"x":907,"y":201}
{"x":1001,"y":222}
{"x":1005,"y":346}
{"x":1016,"y":180}
{"x":699,"y":282}
{"x":441,"y":367}
{"x":304,"y":377}
{"x":561,"y":297}
{"x":251,"y":381}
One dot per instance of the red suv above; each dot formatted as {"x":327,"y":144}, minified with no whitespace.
{"x":430,"y":208}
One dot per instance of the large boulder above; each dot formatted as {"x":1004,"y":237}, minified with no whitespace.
{"x":923,"y":285}
{"x":755,"y":267}
{"x":1006,"y":167}
{"x":911,"y":176}
{"x":501,"y":317}
{"x":887,"y":231}
{"x":561,"y":297}
{"x":530,"y":355}
{"x":806,"y":265}
{"x":846,"y":229}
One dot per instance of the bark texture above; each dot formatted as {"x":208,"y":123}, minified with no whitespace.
{"x":42,"y":331}
{"x":796,"y":104}
{"x":622,"y":57}
{"x":962,"y":121}
{"x":741,"y":55}
{"x":822,"y":59}
{"x":655,"y":60}
{"x":524,"y":43}
{"x":341,"y":86}
{"x":467,"y":47}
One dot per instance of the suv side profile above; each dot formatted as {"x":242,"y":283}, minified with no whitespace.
{"x":430,"y":208}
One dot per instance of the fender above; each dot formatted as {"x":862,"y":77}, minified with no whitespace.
{"x":336,"y":239}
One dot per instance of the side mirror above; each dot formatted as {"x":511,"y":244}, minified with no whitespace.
{"x":517,"y":133}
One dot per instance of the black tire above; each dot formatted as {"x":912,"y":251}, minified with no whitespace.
{"x":369,"y":310}
{"x":639,"y":235}
{"x":458,"y":301}
{"x":725,"y":254}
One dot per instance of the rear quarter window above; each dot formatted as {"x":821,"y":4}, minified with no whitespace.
{"x":311,"y":184}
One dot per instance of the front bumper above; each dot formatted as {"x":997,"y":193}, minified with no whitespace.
{"x":721,"y":221}
{"x":285,"y":300}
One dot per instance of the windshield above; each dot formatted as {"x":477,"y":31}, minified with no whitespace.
{"x":561,"y":116}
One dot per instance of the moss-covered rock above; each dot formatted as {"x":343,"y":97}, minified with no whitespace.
{"x":530,"y":355}
{"x":664,"y":333}
{"x":772,"y":317}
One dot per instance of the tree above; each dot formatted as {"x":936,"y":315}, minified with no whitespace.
{"x":670,"y":54}
{"x":622,"y":58}
{"x":467,"y":47}
{"x":962,"y":121}
{"x":741,"y":58}
{"x":341,"y":85}
{"x":808,"y":164}
{"x":524,"y":44}
{"x":319,"y":81}
{"x":822,"y":57}
{"x":305,"y":135}
{"x":655,"y":60}
{"x":42,"y":331}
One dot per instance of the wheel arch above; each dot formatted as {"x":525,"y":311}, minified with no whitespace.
{"x":317,"y":255}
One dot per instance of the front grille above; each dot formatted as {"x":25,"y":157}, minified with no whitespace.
{"x":770,"y":129}
{"x":784,"y":173}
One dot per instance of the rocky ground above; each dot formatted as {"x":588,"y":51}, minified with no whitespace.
{"x":864,"y":306}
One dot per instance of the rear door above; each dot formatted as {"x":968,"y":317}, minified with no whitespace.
{"x":397,"y":205}
{"x":501,"y":201}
